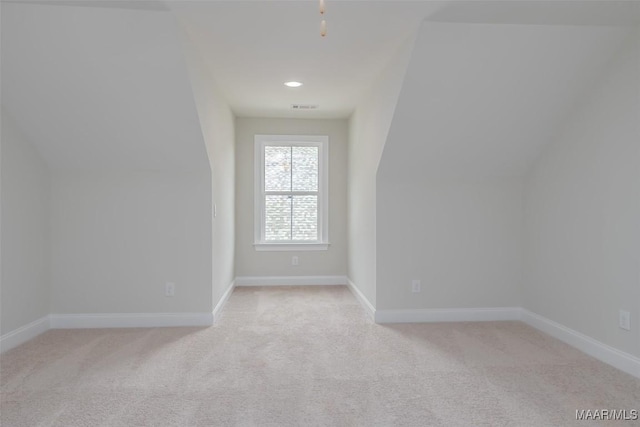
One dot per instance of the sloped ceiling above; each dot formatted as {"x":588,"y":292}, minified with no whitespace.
{"x":100,"y":88}
{"x":253,"y":47}
{"x":103,"y":84}
{"x":483,"y":99}
{"x":531,"y":12}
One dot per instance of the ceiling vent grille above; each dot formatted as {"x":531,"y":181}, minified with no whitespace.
{"x":304,"y":107}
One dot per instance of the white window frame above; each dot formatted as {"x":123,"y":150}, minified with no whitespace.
{"x":322,"y":142}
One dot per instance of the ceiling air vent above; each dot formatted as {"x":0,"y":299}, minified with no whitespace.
{"x":304,"y":107}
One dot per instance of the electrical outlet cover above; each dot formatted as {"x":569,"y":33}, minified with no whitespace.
{"x":170,"y":289}
{"x":415,"y":286}
{"x":625,"y":320}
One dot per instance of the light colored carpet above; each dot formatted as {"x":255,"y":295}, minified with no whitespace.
{"x":306,"y":356}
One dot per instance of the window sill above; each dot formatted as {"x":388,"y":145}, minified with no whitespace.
{"x":291,"y":246}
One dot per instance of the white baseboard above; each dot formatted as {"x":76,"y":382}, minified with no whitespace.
{"x":290,"y":280}
{"x":223,"y":301}
{"x":24,"y":333}
{"x":129,"y":320}
{"x":366,"y":304}
{"x":447,"y":315}
{"x":603,"y":352}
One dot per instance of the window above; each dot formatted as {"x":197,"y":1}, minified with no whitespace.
{"x":291,"y":192}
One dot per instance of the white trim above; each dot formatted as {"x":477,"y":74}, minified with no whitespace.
{"x":320,"y":141}
{"x":291,"y":246}
{"x":217,"y":311}
{"x":447,"y":315}
{"x":129,"y":320}
{"x":24,"y":333}
{"x":366,"y":304}
{"x":603,"y":352}
{"x":290,"y":280}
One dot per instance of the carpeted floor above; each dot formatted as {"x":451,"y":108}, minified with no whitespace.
{"x":307,"y":356}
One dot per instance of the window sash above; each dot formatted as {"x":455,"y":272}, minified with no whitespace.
{"x":293,"y":222}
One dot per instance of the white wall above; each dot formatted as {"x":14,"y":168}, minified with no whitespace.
{"x":118,"y":237}
{"x":457,"y":229}
{"x":25,"y":191}
{"x":461,"y":238}
{"x":218,"y":131}
{"x":583,"y":210}
{"x":464,"y":133}
{"x":332,"y":262}
{"x":368,"y":128}
{"x":115,"y":118}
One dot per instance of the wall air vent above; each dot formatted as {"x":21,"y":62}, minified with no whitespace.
{"x":304,"y":107}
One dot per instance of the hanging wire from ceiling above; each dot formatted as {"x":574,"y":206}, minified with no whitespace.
{"x":323,"y":23}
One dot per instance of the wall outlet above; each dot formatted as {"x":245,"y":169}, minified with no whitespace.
{"x":415,"y":286}
{"x":169,"y":289}
{"x":294,"y":260}
{"x":624,"y":320}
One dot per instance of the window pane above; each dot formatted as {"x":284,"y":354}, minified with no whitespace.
{"x":277,"y":218}
{"x":277,"y":168}
{"x":305,"y":168}
{"x":305,"y":217}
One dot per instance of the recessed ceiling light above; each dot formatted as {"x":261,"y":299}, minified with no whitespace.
{"x":293,"y":84}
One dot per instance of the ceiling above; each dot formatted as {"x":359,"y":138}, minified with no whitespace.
{"x":252,"y":48}
{"x":104,"y":83}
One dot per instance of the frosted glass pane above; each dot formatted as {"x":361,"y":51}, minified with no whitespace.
{"x":305,"y":168}
{"x":277,"y":218}
{"x":305,"y":217}
{"x":277,"y":168}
